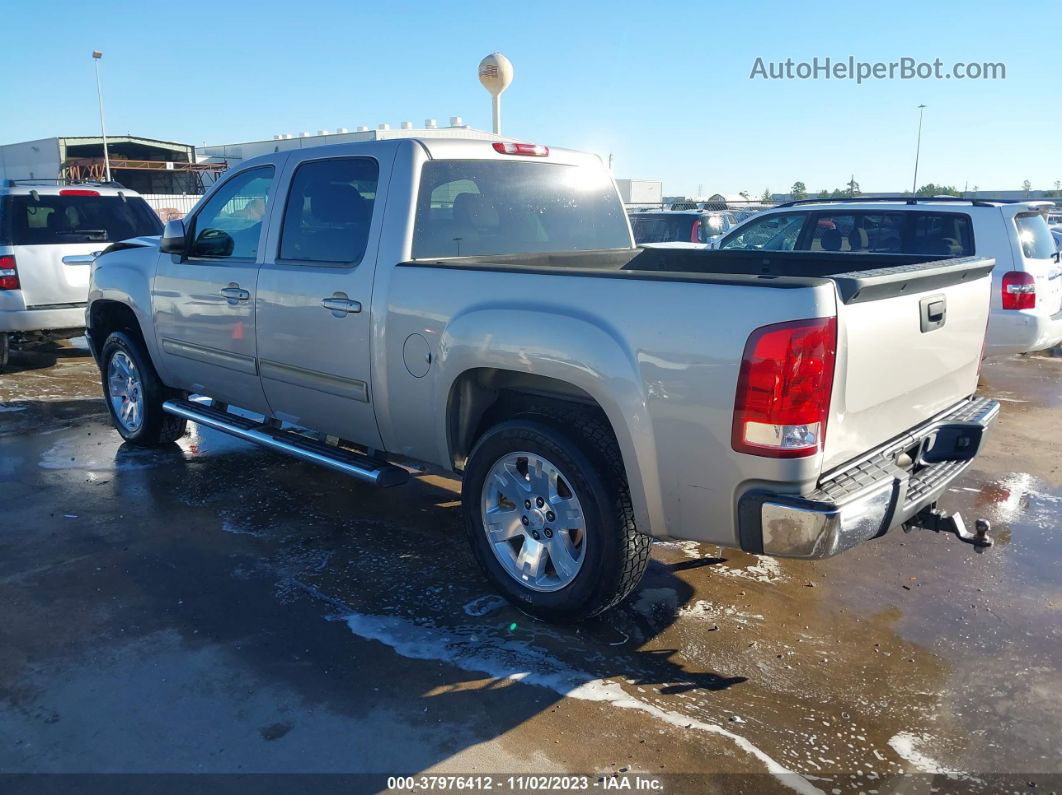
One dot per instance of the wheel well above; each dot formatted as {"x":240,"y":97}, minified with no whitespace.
{"x":485,"y":396}
{"x":109,"y":316}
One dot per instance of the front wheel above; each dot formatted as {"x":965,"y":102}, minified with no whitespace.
{"x":135,"y":394}
{"x":549,"y":517}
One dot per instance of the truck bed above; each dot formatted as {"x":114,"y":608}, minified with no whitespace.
{"x":858,"y":277}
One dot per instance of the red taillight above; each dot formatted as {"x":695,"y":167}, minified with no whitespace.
{"x":695,"y":231}
{"x":8,"y":273}
{"x":784,"y":387}
{"x":78,"y":192}
{"x":1019,"y":290}
{"x":529,"y":150}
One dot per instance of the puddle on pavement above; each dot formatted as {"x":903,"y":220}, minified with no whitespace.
{"x":908,"y":653}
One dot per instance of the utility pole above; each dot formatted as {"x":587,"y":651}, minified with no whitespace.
{"x":96,"y":56}
{"x":918,"y":150}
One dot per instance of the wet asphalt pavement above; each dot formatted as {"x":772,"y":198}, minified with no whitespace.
{"x":215,"y":608}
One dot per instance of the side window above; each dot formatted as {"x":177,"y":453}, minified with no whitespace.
{"x":873,"y":233}
{"x":329,"y":211}
{"x":770,"y":233}
{"x":831,"y":233}
{"x":946,"y":234}
{"x":230,"y":224}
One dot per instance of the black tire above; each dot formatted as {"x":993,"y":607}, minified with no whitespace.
{"x":157,"y":427}
{"x":5,"y":350}
{"x":617,"y":554}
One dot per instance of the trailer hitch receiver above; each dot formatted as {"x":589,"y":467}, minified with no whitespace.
{"x":932,"y":518}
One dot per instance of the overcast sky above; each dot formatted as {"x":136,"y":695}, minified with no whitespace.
{"x":664,"y":87}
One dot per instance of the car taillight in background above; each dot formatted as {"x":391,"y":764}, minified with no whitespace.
{"x":1019,"y":290}
{"x":529,"y":150}
{"x":8,"y":273}
{"x":784,"y":389}
{"x":695,"y":231}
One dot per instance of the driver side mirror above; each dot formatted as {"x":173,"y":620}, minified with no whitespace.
{"x":174,"y":238}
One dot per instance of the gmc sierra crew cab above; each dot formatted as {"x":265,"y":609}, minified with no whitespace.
{"x":479,"y":307}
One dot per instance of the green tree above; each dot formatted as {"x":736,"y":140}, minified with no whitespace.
{"x":824,"y":194}
{"x":1027,"y":187}
{"x":852,"y":188}
{"x":798,"y":191}
{"x":767,"y":197}
{"x":930,"y":189}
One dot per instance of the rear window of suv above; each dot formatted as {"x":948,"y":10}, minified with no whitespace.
{"x":666,"y":228}
{"x":53,"y":220}
{"x":483,"y":207}
{"x":1035,"y":236}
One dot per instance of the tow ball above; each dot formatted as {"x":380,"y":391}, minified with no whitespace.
{"x":932,"y":518}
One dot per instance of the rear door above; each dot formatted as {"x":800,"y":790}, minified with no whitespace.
{"x":53,"y":237}
{"x":315,"y":293}
{"x":204,"y":302}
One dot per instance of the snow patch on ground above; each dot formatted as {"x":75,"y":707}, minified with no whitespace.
{"x":906,"y":745}
{"x":764,"y":570}
{"x":704,"y":610}
{"x":519,"y":661}
{"x":691,"y":549}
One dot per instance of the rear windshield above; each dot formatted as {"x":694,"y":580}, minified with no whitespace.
{"x":1035,"y":236}
{"x":51,"y":220}
{"x":483,"y":207}
{"x":661,"y":228}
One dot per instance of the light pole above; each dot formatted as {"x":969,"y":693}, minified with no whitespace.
{"x":96,"y":55}
{"x":918,"y":150}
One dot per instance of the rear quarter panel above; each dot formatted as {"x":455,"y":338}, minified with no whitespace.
{"x":661,"y":358}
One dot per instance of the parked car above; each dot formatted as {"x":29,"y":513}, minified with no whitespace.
{"x":1027,"y":281}
{"x":680,"y":226}
{"x":480,"y":308}
{"x":49,"y":234}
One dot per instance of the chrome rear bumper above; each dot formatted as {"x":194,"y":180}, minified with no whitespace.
{"x":871,"y":495}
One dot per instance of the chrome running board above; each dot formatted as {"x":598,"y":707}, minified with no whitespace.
{"x":378,"y":473}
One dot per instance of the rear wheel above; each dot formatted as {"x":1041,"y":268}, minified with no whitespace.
{"x":5,"y":350}
{"x":135,"y":394}
{"x":549,"y":517}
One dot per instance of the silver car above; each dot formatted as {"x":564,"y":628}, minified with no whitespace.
{"x":49,"y":236}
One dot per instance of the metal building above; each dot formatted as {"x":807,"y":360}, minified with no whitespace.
{"x":145,"y":165}
{"x":233,"y":154}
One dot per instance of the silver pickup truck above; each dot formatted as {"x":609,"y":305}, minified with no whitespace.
{"x":480,"y":308}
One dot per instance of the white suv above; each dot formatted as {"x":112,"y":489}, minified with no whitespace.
{"x":1027,"y":280}
{"x":49,"y":236}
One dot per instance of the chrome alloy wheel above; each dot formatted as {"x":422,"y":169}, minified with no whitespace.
{"x":125,"y":392}
{"x":534,"y":522}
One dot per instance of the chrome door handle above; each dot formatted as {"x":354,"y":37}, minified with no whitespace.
{"x":79,"y":259}
{"x":234,"y":293}
{"x":341,"y":306}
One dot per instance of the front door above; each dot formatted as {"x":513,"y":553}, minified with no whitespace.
{"x":315,"y":291}
{"x":204,"y":301}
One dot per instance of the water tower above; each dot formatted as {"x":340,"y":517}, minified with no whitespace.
{"x":496,"y":73}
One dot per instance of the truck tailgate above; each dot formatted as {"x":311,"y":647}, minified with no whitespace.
{"x":907,"y":349}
